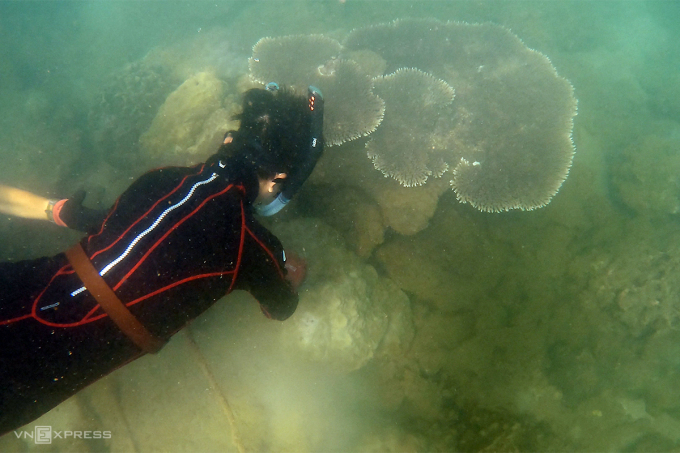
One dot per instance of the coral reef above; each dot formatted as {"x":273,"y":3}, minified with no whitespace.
{"x":391,"y":440}
{"x":342,"y":323}
{"x":346,"y":311}
{"x":510,"y":146}
{"x":449,"y":264}
{"x":351,"y":109}
{"x":125,"y":108}
{"x":191,"y":122}
{"x":404,"y":147}
{"x":129,"y":102}
{"x":638,"y":284}
{"x":406,"y":210}
{"x":350,"y":211}
{"x":647,"y":176}
{"x":290,"y":60}
{"x":506,"y":138}
{"x":555,"y":330}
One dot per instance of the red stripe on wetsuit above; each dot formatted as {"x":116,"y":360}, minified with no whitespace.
{"x":66,"y":270}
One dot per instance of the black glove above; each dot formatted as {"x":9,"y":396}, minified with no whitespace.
{"x":79,"y":217}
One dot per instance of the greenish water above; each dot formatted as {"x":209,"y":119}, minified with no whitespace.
{"x":553,"y":329}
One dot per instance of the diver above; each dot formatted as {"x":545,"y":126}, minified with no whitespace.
{"x":177,"y":240}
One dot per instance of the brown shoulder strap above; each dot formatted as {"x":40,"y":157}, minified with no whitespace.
{"x":110,"y":303}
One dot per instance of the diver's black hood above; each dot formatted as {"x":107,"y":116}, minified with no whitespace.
{"x":280,"y":132}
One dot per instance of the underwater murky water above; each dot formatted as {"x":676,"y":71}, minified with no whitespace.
{"x":424,"y":324}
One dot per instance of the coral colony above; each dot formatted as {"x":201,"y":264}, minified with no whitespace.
{"x":504,"y":141}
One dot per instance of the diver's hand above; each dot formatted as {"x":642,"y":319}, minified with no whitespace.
{"x":65,"y":212}
{"x":73,"y":214}
{"x":296,"y":270}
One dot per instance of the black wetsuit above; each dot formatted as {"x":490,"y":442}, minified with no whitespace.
{"x":175,"y":242}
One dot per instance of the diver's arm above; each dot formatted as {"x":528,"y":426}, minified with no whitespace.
{"x":20,"y":203}
{"x":67,"y":212}
{"x":278,"y":296}
{"x":278,"y":300}
{"x":72,"y":214}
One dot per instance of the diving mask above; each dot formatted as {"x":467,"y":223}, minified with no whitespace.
{"x":299,"y":175}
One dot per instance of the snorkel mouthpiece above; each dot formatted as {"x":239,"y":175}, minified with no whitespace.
{"x":315,"y":147}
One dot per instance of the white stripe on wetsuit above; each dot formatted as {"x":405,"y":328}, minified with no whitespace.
{"x":139,"y":237}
